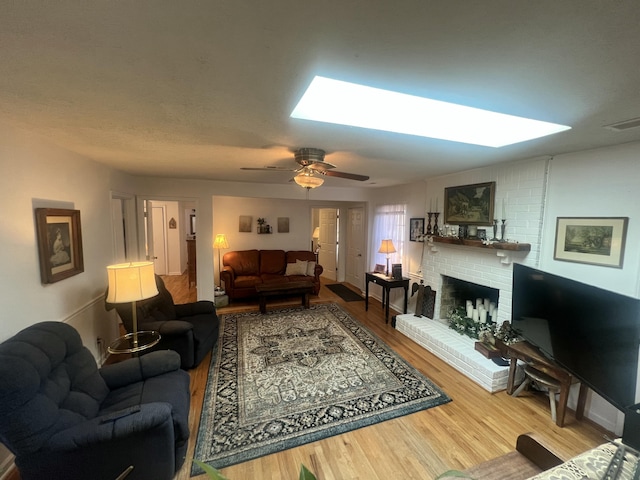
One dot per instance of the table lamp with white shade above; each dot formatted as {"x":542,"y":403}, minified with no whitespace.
{"x":387,"y":248}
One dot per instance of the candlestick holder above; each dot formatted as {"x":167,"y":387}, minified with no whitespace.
{"x":503,"y":227}
{"x":495,"y":231}
{"x":436,"y":230}
{"x":429,"y":215}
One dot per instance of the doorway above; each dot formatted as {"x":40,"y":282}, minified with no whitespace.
{"x":355,"y":247}
{"x":328,"y":242}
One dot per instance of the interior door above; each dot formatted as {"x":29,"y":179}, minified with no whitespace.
{"x":328,"y":255}
{"x":158,"y":252}
{"x":355,"y":248}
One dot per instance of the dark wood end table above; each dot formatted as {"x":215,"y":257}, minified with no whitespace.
{"x":387,"y":283}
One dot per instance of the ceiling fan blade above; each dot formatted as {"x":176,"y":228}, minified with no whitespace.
{"x":274,"y":169}
{"x":349,"y":176}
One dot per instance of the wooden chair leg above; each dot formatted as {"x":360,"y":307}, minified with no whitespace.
{"x":552,"y":403}
{"x":522,"y":386}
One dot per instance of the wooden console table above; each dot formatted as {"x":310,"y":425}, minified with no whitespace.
{"x":387,"y":284}
{"x":531,"y":355}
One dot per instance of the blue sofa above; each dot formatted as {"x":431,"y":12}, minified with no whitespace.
{"x":65,"y":418}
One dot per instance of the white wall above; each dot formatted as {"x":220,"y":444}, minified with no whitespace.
{"x":34,"y":174}
{"x":39,"y":175}
{"x":600,"y":182}
{"x":597,"y":183}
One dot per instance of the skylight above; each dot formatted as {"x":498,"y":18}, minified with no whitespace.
{"x":343,"y":103}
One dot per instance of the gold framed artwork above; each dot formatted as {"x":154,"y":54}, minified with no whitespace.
{"x":59,"y":237}
{"x":470,"y":204}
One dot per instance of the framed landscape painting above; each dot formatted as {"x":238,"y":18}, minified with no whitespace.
{"x":470,"y":204}
{"x":59,"y":243}
{"x":591,"y":240}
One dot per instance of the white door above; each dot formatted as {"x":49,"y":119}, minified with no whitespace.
{"x":328,"y":242}
{"x":158,"y":250}
{"x":117,"y":220}
{"x":355,"y":248}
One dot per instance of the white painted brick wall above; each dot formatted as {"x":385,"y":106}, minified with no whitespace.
{"x":523,"y":186}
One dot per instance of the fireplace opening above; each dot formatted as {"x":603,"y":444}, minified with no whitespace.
{"x":458,"y":293}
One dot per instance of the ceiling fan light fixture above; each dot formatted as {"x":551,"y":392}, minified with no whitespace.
{"x":308,"y":180}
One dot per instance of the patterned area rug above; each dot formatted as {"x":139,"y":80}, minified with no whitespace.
{"x":293,"y":376}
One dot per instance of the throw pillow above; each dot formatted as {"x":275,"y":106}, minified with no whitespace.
{"x":296,"y":268}
{"x":302,"y":265}
{"x":311,"y":269}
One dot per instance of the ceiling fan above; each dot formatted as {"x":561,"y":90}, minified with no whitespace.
{"x":312,"y":164}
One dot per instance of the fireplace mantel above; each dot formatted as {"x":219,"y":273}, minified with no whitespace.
{"x":511,"y":246}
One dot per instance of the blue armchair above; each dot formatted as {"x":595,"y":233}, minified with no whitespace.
{"x":64,"y":418}
{"x":191,"y":329}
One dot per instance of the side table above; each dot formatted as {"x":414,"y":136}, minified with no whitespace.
{"x":387,"y":284}
{"x":134,"y":342}
{"x":532,"y":356}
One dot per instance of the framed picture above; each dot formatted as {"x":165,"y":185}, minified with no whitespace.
{"x":379,"y":268}
{"x":59,"y":243}
{"x":416,"y":229}
{"x":245,"y":223}
{"x":283,"y":224}
{"x":396,"y":271}
{"x":592,"y":240}
{"x":470,"y":204}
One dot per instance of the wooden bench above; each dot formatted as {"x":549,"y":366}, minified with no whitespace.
{"x":281,"y":289}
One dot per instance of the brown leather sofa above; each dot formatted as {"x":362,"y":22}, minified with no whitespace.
{"x":243,"y":270}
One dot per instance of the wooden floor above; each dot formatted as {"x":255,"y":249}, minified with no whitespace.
{"x":476,"y":426}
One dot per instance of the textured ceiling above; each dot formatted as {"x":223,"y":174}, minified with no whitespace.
{"x":200,"y":89}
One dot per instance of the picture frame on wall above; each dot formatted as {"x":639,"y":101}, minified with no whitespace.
{"x":591,"y":240}
{"x":416,"y":229}
{"x":283,"y":224}
{"x":470,"y":204}
{"x":245,"y":222}
{"x":59,"y":235}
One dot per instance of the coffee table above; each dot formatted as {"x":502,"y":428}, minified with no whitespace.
{"x":281,"y":289}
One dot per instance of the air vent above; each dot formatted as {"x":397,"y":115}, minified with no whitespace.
{"x":625,"y":125}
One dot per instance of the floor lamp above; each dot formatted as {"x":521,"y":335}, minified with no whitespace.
{"x":387,"y":247}
{"x":130,"y":282}
{"x":219,"y":243}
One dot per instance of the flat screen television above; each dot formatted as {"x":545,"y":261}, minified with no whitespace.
{"x":591,"y":332}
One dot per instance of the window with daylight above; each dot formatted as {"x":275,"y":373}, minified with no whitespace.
{"x":389,"y":223}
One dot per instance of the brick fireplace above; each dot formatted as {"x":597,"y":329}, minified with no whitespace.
{"x":459,"y":273}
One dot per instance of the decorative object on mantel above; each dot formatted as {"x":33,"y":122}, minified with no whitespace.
{"x":495,"y":230}
{"x":591,"y":240}
{"x":59,"y":243}
{"x":469,"y":204}
{"x":513,"y":246}
{"x":263,"y":227}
